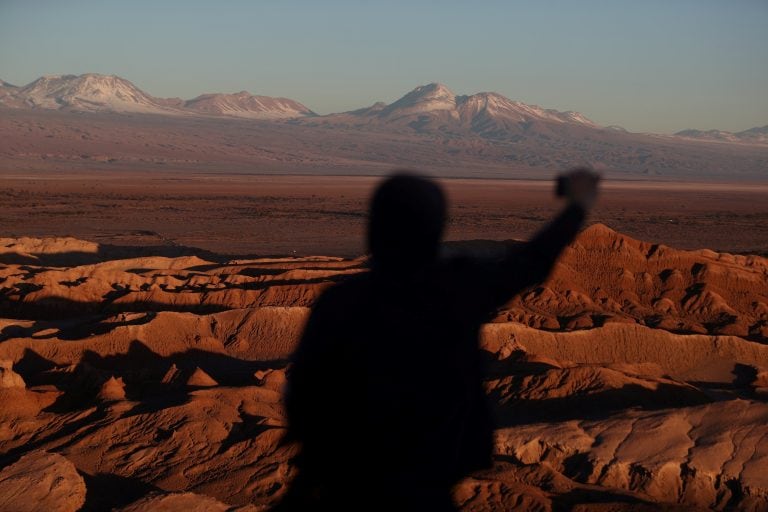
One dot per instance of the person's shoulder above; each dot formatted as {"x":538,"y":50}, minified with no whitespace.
{"x":353,"y":282}
{"x":347,"y":288}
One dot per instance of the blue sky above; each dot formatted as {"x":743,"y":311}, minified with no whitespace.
{"x":650,"y":65}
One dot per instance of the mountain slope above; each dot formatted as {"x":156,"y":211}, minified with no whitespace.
{"x":6,"y":92}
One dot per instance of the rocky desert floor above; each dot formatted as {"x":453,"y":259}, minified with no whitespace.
{"x":145,"y":328}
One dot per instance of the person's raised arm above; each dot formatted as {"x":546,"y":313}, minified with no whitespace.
{"x":531,"y":264}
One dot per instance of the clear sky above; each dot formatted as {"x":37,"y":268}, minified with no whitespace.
{"x":650,"y":65}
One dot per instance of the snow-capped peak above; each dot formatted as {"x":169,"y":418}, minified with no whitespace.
{"x":438,"y":98}
{"x":91,"y":92}
{"x":425,"y":98}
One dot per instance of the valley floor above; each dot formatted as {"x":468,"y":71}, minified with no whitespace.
{"x":239,"y":214}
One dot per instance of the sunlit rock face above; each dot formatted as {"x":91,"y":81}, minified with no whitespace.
{"x":634,"y":378}
{"x":41,"y":481}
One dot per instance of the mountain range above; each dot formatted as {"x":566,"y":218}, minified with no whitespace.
{"x":427,"y":108}
{"x":84,"y":121}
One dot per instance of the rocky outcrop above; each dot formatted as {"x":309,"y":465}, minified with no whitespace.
{"x":8,"y":378}
{"x":177,"y":502}
{"x":41,"y":481}
{"x":200,"y":379}
{"x":708,"y":456}
{"x":112,"y":390}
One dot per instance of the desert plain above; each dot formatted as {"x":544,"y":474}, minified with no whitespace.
{"x":251,"y":214}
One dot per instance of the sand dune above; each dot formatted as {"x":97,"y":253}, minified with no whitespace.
{"x":633,"y":379}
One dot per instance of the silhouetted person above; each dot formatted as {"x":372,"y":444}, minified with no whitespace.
{"x":385,"y":390}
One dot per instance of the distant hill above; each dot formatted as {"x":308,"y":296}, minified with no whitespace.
{"x":244,"y":104}
{"x":757,"y":135}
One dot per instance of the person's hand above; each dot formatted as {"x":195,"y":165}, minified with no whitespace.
{"x":579,"y":186}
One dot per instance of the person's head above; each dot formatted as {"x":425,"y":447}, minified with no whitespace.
{"x":406,"y":221}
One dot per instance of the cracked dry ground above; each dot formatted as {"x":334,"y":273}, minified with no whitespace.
{"x":635,"y":378}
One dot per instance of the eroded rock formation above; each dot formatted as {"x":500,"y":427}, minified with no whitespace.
{"x":633,"y":379}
